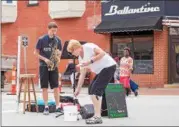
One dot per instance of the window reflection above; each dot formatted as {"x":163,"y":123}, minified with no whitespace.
{"x":177,"y":57}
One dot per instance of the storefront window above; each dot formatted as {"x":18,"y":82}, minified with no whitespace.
{"x":141,"y":51}
{"x":177,"y":58}
{"x":119,"y":44}
{"x":143,"y":55}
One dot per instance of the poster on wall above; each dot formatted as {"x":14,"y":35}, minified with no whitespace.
{"x":174,"y":31}
{"x":143,"y":67}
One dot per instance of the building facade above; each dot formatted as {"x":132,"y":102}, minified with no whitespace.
{"x":75,"y":21}
{"x":145,"y":27}
{"x":138,"y":25}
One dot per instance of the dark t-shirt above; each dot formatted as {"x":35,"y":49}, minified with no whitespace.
{"x":45,"y":45}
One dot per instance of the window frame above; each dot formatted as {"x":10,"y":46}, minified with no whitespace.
{"x":14,"y":3}
{"x":29,"y":4}
{"x":132,"y":36}
{"x":143,"y":36}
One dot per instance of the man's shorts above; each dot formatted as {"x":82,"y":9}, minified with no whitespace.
{"x":125,"y":80}
{"x":48,"y":77}
{"x":101,"y":80}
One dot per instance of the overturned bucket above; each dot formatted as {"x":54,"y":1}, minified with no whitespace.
{"x":70,"y":113}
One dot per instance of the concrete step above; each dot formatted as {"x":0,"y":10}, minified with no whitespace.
{"x":175,"y":85}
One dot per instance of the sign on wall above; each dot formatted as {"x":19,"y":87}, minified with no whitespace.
{"x":25,"y":40}
{"x":174,"y":31}
{"x":143,"y":67}
{"x":114,"y":10}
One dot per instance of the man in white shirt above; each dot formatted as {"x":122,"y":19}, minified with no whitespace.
{"x":94,"y":58}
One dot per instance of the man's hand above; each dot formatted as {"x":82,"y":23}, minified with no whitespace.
{"x":77,"y":91}
{"x":80,"y":81}
{"x":77,"y":67}
{"x":85,"y":64}
{"x":47,"y":61}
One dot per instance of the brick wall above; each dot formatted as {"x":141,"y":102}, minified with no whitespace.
{"x":160,"y":76}
{"x":36,"y":25}
{"x":76,"y":28}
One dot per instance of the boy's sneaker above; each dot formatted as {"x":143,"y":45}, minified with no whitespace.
{"x":59,"y":110}
{"x":94,"y":120}
{"x":46,"y":111}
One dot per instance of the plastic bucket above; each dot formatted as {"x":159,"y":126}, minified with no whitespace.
{"x":70,"y":113}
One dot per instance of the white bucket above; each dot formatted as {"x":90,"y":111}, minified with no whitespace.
{"x":70,"y":113}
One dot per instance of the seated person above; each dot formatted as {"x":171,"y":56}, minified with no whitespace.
{"x":70,"y":70}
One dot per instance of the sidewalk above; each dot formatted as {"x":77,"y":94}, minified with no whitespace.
{"x":142,"y":110}
{"x":142,"y":91}
{"x":159,"y":91}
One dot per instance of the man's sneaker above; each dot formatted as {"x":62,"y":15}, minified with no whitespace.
{"x":46,"y":111}
{"x":59,"y":110}
{"x":94,"y":120}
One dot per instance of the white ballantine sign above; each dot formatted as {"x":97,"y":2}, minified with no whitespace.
{"x":127,"y":10}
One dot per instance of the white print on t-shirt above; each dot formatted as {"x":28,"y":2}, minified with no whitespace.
{"x":47,"y":49}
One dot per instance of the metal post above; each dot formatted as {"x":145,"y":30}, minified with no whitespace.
{"x":18,"y":71}
{"x":25,"y":60}
{"x":74,"y":85}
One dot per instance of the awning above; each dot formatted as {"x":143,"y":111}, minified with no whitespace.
{"x":130,"y":25}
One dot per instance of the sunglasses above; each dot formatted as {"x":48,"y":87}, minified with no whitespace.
{"x":53,"y":26}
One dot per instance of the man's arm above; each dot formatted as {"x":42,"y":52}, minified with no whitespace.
{"x":38,"y":48}
{"x":99,"y":53}
{"x":37,"y":54}
{"x":81,"y":77}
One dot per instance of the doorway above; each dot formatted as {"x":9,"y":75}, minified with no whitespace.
{"x":174,"y":55}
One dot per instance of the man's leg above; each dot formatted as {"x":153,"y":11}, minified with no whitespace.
{"x":96,"y":119}
{"x":45,"y":96}
{"x":54,"y":85}
{"x":57,"y":97}
{"x":97,"y":90}
{"x":44,"y":74}
{"x":97,"y":105}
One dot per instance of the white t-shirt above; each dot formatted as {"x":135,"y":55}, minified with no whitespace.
{"x":97,"y":66}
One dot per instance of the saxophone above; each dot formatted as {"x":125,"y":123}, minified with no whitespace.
{"x":53,"y":59}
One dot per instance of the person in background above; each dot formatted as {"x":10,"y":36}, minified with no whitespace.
{"x":74,"y":72}
{"x":125,"y":69}
{"x":133,"y":85}
{"x":116,"y":74}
